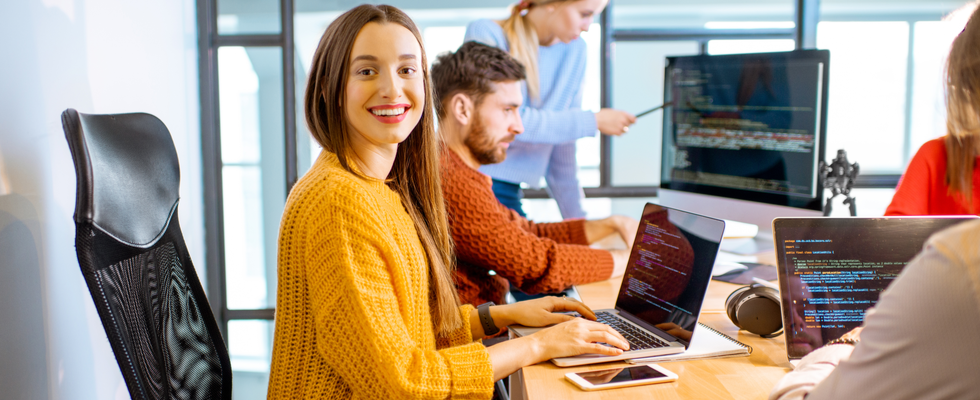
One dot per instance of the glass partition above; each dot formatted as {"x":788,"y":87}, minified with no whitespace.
{"x":931,"y":42}
{"x":638,"y":85}
{"x":700,"y":14}
{"x":868,"y":67}
{"x":248,"y":17}
{"x":253,"y":171}
{"x":250,"y":351}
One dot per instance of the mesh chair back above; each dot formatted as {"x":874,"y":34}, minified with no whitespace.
{"x":134,"y":261}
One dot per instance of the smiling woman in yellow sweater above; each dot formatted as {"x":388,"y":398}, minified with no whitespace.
{"x":366,"y":306}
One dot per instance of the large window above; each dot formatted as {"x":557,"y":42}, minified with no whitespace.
{"x":886,"y":77}
{"x":886,"y":99}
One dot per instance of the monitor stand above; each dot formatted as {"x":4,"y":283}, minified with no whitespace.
{"x":762,"y":242}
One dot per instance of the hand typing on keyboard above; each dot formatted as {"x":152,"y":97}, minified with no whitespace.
{"x":574,"y":332}
{"x":638,"y":338}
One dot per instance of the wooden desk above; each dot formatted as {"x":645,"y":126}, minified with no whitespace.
{"x":749,"y":377}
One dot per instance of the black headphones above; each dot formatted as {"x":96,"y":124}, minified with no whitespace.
{"x":755,"y":308}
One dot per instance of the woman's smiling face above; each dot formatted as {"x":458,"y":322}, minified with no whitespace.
{"x":386,"y":86}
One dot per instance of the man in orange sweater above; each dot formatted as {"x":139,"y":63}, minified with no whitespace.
{"x":477,"y":97}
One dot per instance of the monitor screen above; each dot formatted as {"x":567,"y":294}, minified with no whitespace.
{"x":747,"y":126}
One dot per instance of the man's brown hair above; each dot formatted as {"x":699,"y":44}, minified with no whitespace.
{"x":472,"y":70}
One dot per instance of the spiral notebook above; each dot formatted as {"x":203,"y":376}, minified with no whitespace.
{"x":707,"y":343}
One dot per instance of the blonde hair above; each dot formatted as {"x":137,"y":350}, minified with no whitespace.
{"x":415,"y":172}
{"x":963,"y":111}
{"x":523,"y":40}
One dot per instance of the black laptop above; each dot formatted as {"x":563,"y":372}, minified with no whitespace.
{"x":831,"y":270}
{"x":664,"y":285}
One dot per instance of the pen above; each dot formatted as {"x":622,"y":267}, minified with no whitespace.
{"x":667,"y":104}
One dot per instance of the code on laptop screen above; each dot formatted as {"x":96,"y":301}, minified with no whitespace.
{"x":833,"y":270}
{"x":669,"y":268}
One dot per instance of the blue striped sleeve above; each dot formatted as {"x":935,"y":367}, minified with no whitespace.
{"x":562,"y":179}
{"x":487,"y":32}
{"x":554,"y":127}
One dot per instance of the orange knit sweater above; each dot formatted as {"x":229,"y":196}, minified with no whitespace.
{"x":537,"y":258}
{"x":352,"y":311}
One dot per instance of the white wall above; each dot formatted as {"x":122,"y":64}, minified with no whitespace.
{"x":97,"y":56}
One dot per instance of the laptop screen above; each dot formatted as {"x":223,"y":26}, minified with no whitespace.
{"x":669,"y":269}
{"x":831,"y":270}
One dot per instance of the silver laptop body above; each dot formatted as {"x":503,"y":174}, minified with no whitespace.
{"x":663,"y":287}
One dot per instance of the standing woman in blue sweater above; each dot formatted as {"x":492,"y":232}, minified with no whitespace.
{"x":544,"y":36}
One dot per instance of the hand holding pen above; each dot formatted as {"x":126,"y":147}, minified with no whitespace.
{"x":615,"y":122}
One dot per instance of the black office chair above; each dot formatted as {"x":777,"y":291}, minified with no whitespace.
{"x":132,"y":255}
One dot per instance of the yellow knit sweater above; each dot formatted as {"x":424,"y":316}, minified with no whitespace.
{"x":352,"y":312}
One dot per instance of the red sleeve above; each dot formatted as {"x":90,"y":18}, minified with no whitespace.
{"x":923,"y":176}
{"x":488,"y":234}
{"x":571,"y":231}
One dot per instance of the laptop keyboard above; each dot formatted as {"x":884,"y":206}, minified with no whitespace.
{"x":638,"y":339}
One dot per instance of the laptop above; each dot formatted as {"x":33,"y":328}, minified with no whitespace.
{"x":663,"y":287}
{"x":831,"y":270}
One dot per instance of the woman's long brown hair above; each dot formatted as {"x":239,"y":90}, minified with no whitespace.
{"x":963,"y":112}
{"x":415,"y":173}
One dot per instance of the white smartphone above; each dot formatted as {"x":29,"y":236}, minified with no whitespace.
{"x":621,"y":377}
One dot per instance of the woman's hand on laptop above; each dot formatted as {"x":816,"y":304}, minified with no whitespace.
{"x":576,"y":337}
{"x":543,"y":311}
{"x":571,"y":337}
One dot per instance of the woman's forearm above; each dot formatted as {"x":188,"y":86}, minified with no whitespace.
{"x":499,"y":314}
{"x":509,"y":356}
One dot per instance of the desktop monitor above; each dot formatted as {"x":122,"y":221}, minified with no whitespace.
{"x":744,"y":135}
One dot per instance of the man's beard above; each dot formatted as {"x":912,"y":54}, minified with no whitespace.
{"x":482,"y":146}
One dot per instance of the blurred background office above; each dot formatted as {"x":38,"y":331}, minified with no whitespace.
{"x":226,"y":76}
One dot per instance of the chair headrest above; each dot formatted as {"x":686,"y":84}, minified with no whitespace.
{"x":127,"y":173}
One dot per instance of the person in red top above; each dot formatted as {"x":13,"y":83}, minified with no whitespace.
{"x":478,"y":95}
{"x":923,"y":189}
{"x":944,"y":176}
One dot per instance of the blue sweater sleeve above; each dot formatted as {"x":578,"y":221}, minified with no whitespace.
{"x":556,"y":127}
{"x":487,"y":32}
{"x":562,"y":179}
{"x":540,"y":125}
